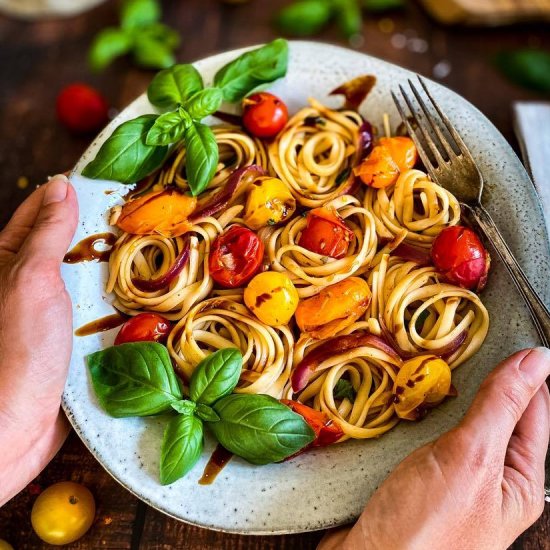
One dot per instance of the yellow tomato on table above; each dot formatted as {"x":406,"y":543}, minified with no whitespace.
{"x":5,"y":545}
{"x":63,"y":513}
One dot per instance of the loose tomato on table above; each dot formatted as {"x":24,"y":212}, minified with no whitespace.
{"x":63,"y":513}
{"x":461,"y":257}
{"x":236,"y":256}
{"x":145,"y":327}
{"x":326,"y":233}
{"x":264,"y":114}
{"x":81,"y":108}
{"x":327,"y":431}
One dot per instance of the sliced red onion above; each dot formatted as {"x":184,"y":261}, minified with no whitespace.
{"x":339,"y":344}
{"x":366,"y":141}
{"x":412,"y":254}
{"x":220,"y":200}
{"x":152,"y":285}
{"x":355,"y":90}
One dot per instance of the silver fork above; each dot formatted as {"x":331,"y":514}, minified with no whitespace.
{"x":454,"y":168}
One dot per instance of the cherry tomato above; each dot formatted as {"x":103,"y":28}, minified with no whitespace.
{"x":81,"y":108}
{"x":327,"y":431}
{"x":145,"y":327}
{"x":5,"y":545}
{"x":326,"y":233}
{"x":236,"y":256}
{"x":460,"y":256}
{"x":264,"y":115}
{"x":63,"y":513}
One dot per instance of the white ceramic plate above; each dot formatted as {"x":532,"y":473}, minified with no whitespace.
{"x":329,"y":486}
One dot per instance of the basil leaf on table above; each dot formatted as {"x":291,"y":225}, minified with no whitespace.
{"x":206,"y":413}
{"x":184,"y":407}
{"x":181,"y":447}
{"x":168,"y":128}
{"x":135,"y":379}
{"x":343,"y":389}
{"x":382,"y":5}
{"x":259,"y":428}
{"x":527,"y":67}
{"x":304,"y":18}
{"x":252,"y":69}
{"x":109,"y":44}
{"x":174,"y":86}
{"x":348,"y":17}
{"x":125,"y":155}
{"x":204,"y":103}
{"x":201,"y":156}
{"x":139,"y":13}
{"x":216,"y":376}
{"x":152,"y":53}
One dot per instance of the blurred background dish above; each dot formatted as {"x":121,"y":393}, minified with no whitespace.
{"x":37,"y":9}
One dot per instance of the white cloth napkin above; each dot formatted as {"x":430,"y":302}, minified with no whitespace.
{"x":532,"y":126}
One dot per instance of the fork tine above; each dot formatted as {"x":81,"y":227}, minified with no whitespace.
{"x":419,"y":145}
{"x":435,"y":127}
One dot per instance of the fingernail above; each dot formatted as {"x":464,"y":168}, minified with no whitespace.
{"x":56,"y":189}
{"x":535,"y":366}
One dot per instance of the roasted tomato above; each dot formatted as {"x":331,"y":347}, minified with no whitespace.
{"x":264,"y":114}
{"x":145,"y":327}
{"x":63,"y":513}
{"x":327,"y":431}
{"x":388,"y":159}
{"x":269,"y":202}
{"x":334,"y":308}
{"x":235,"y":257}
{"x":460,"y":256}
{"x":421,"y":383}
{"x":326,"y":233}
{"x":165,"y":212}
{"x":272,"y":297}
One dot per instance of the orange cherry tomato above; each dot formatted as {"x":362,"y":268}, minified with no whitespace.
{"x":264,"y":114}
{"x":165,"y":212}
{"x":402,"y":150}
{"x":326,"y":233}
{"x":236,"y":256}
{"x":145,"y":327}
{"x":327,"y":431}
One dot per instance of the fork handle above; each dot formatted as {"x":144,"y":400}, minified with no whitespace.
{"x":539,"y":312}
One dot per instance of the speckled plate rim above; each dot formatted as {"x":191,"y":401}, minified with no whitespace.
{"x":319,"y":520}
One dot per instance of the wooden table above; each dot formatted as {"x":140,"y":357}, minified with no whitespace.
{"x":37,"y":59}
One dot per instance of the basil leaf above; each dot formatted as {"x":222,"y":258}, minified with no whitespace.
{"x":216,"y":376}
{"x":161,"y":33}
{"x":251,"y":69}
{"x":135,"y":379}
{"x":204,"y":103}
{"x":125,"y":156}
{"x":174,"y":86}
{"x":168,"y":128}
{"x":139,"y":13}
{"x":206,"y":413}
{"x":527,"y":67}
{"x":304,"y":18}
{"x":181,"y":447}
{"x":152,"y":53}
{"x":259,"y":428}
{"x":382,"y":5}
{"x":344,"y":389}
{"x":184,"y":407}
{"x":109,"y":44}
{"x":201,"y":156}
{"x":348,"y":17}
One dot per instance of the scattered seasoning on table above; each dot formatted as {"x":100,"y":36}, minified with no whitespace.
{"x":398,"y":41}
{"x":22,"y":182}
{"x":442,"y":69}
{"x":417,"y":45}
{"x":386,"y":25}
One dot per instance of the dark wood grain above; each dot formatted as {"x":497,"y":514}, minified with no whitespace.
{"x":37,"y":59}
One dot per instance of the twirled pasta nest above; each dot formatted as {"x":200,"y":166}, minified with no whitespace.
{"x":309,"y":271}
{"x":314,"y":153}
{"x":224,"y":322}
{"x":415,"y":204}
{"x":420,"y":314}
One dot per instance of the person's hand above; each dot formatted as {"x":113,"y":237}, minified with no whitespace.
{"x":35,"y":333}
{"x":476,"y":487}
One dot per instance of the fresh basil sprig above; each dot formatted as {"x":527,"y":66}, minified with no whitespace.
{"x":128,"y":156}
{"x":138,"y":380}
{"x":140,"y":33}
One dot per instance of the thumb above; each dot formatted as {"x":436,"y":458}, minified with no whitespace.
{"x":55,"y":224}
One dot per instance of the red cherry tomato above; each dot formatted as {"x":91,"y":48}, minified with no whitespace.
{"x":264,"y":114}
{"x":145,"y":327}
{"x":461,"y":257}
{"x":326,"y":233}
{"x":326,"y":430}
{"x":81,"y":108}
{"x":236,"y":256}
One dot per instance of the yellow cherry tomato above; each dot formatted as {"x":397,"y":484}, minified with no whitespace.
{"x":5,"y":545}
{"x":63,"y":513}
{"x":421,"y":383}
{"x":272,"y":297}
{"x":269,"y":202}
